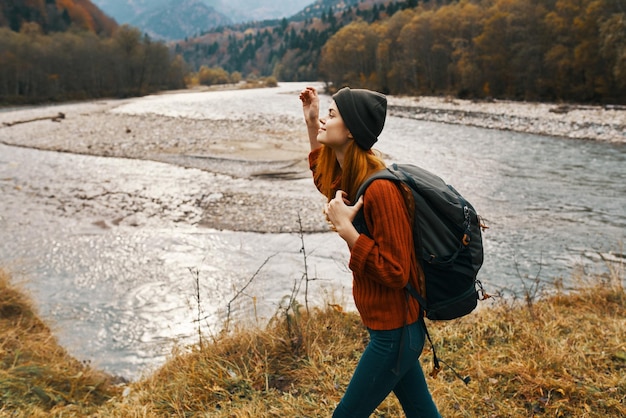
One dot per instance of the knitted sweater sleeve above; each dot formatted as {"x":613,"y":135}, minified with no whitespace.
{"x":384,"y":262}
{"x":385,"y":257}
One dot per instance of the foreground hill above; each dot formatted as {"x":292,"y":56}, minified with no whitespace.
{"x":560,"y":356}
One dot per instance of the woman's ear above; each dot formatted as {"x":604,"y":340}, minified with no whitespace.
{"x":350,"y":135}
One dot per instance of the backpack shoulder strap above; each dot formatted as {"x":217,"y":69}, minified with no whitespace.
{"x":386,"y":173}
{"x":359,"y":219}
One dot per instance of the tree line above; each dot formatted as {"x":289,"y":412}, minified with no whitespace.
{"x":75,"y":64}
{"x":539,"y":50}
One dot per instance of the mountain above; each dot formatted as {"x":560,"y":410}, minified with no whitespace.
{"x":256,"y":10}
{"x":327,"y":8}
{"x":56,"y":16}
{"x":178,"y":19}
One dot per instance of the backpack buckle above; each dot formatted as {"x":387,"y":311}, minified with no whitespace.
{"x":466,"y":239}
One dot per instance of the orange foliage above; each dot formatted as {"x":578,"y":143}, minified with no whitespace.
{"x":87,"y":16}
{"x":77,"y":13}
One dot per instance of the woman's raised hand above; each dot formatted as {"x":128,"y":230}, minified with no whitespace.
{"x":310,"y":106}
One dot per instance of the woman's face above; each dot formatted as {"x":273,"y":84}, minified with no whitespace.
{"x":333,"y":131}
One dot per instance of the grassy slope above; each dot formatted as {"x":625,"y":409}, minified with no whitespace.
{"x":37,"y":376}
{"x":562,"y":356}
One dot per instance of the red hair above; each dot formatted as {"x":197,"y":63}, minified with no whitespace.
{"x":358,"y":165}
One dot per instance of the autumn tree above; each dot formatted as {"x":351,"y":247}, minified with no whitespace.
{"x":349,"y":57}
{"x":613,"y":49}
{"x":464,"y":74}
{"x":511,"y":47}
{"x":579,"y":61}
{"x":210,"y":76}
{"x":388,"y":52}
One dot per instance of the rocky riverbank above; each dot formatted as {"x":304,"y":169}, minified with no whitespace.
{"x":245,"y":194}
{"x":253,"y":155}
{"x":95,"y":128}
{"x":599,"y":123}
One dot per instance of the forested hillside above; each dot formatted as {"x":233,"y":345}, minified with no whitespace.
{"x":538,"y":50}
{"x":68,"y":49}
{"x":55,"y":15}
{"x":517,"y":49}
{"x":289,"y":49}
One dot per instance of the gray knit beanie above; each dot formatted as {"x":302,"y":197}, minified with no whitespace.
{"x":363,"y":112}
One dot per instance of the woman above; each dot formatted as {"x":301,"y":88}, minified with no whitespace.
{"x":382,"y":262}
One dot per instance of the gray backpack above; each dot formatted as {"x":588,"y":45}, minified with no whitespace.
{"x":448,"y":241}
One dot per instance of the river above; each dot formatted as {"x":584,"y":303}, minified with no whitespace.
{"x":122,"y":297}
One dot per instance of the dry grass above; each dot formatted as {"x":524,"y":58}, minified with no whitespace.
{"x":37,"y":377}
{"x":560,"y":356}
{"x":564,"y":356}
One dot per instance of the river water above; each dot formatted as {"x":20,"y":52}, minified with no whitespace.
{"x":123,"y":297}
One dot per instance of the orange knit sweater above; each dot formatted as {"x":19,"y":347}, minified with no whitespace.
{"x":383,"y":264}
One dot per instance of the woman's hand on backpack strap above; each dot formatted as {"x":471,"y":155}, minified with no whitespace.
{"x":341,"y":214}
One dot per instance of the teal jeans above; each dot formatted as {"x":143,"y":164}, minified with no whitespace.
{"x":379,"y":373}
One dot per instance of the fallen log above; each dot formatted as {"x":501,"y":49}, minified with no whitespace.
{"x":56,"y":118}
